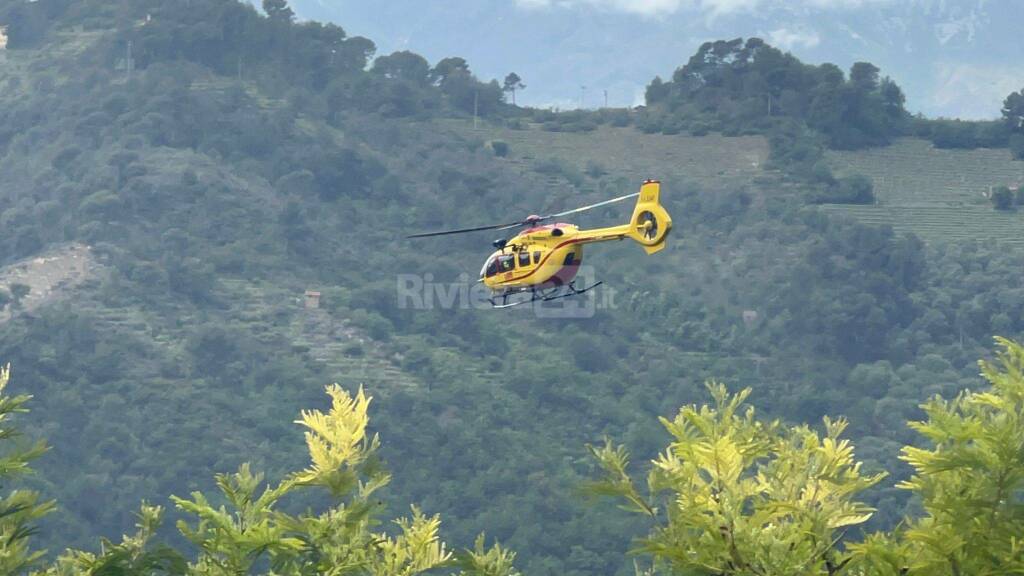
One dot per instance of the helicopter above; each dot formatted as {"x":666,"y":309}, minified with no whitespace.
{"x":541,"y":261}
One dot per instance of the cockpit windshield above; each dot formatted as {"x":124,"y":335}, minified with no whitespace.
{"x":490,"y":268}
{"x":497,"y":264}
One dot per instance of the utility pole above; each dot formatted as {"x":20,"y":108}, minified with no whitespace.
{"x":583,"y":92}
{"x":606,"y":98}
{"x":128,"y":64}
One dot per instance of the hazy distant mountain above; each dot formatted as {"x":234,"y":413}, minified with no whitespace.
{"x":953,"y":57}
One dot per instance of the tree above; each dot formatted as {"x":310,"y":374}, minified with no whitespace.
{"x":354,"y":53}
{"x":19,"y":509}
{"x":853,"y":189}
{"x":468,"y":94}
{"x":249,"y":530}
{"x":512,"y":83}
{"x":1013,"y":111}
{"x":120,"y":161}
{"x":1001,"y":198}
{"x":1017,"y":145}
{"x":19,"y":292}
{"x":734,"y":495}
{"x":856,"y":189}
{"x":656,"y":91}
{"x":864,"y":76}
{"x":403,"y":65}
{"x":892,"y":97}
{"x":970,"y":481}
{"x":447,"y":68}
{"x":278,"y":10}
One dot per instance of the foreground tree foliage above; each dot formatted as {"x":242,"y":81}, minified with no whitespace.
{"x":18,"y":508}
{"x":247,"y":159}
{"x":733,"y":495}
{"x":248,"y":533}
{"x":970,"y":482}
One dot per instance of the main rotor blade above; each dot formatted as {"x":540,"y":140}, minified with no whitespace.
{"x":592,"y":206}
{"x":525,"y":222}
{"x":464,"y":230}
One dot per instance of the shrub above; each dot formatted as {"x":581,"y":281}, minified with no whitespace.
{"x":18,"y":292}
{"x":500,"y":148}
{"x":353,"y":349}
{"x":856,"y":189}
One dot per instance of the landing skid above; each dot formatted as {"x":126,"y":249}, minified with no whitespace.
{"x":555,"y":293}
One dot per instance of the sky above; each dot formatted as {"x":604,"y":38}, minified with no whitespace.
{"x":954,"y":58}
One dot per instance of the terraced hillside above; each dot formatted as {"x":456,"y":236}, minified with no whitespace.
{"x":937,"y":194}
{"x":346,"y":353}
{"x":713,"y":161}
{"x":20,"y":70}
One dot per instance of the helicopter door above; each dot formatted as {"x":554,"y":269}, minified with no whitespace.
{"x":524,"y":259}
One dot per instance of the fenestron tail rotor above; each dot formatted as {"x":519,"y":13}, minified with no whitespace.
{"x":650,"y":223}
{"x":647,"y":225}
{"x":529,"y":221}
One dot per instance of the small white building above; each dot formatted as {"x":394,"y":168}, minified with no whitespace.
{"x":750,"y":317}
{"x":3,"y":37}
{"x":312,"y":299}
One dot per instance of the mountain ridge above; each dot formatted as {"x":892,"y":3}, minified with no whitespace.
{"x":558,"y":48}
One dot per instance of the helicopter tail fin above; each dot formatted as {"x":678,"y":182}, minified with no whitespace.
{"x":650,"y":223}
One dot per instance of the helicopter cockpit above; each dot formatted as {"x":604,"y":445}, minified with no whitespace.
{"x":507,"y":262}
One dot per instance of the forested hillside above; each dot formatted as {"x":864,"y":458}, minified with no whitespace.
{"x":219,"y":161}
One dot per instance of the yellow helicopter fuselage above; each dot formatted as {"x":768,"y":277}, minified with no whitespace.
{"x":550,"y":255}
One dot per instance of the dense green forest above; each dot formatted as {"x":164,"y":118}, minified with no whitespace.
{"x":732,"y":494}
{"x":220,"y":160}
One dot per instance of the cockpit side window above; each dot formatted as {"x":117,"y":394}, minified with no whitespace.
{"x":506,"y":263}
{"x":524,"y":258}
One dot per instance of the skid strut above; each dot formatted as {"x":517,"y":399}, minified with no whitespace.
{"x":555,"y":293}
